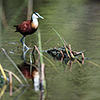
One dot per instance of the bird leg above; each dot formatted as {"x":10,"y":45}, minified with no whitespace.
{"x":25,"y":47}
{"x":22,"y":39}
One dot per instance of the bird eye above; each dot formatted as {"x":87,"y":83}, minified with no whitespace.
{"x":36,"y":14}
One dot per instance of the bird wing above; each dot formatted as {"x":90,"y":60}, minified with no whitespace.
{"x":24,"y":26}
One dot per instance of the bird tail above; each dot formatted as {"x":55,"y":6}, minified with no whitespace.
{"x":16,"y":28}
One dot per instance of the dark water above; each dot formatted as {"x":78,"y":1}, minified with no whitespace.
{"x":78,"y":23}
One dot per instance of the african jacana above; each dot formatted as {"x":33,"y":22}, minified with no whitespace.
{"x":28,"y":27}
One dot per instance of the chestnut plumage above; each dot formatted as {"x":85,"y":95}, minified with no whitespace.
{"x":28,"y":27}
{"x":25,"y":28}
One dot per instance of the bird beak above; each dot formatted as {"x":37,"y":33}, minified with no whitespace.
{"x":41,"y":17}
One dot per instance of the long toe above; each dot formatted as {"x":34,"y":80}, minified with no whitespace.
{"x":25,"y":48}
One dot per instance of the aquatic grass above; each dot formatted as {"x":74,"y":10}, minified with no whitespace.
{"x":66,"y":48}
{"x":50,"y":62}
{"x":50,"y":39}
{"x":16,"y":77}
{"x":40,"y":47}
{"x":10,"y":76}
{"x":42,"y":71}
{"x":78,"y":62}
{"x":32,"y":65}
{"x":56,"y":53}
{"x":58,"y":35}
{"x":35,"y":47}
{"x":14,"y":65}
{"x":19,"y":95}
{"x":67,"y":51}
{"x":30,"y":62}
{"x":10,"y":82}
{"x":93,"y":63}
{"x":3,"y":90}
{"x":66,"y":66}
{"x":3,"y":73}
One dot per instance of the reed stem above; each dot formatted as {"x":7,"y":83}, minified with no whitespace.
{"x":42,"y":71}
{"x":3,"y":73}
{"x":15,"y":65}
{"x":40,"y":47}
{"x":14,"y":76}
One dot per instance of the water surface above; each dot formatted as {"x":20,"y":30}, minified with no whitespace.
{"x":78,"y":23}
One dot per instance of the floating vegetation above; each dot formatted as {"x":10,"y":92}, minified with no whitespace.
{"x":66,"y":54}
{"x":66,"y":57}
{"x":61,"y":54}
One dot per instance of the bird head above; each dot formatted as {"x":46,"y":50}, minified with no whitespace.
{"x":36,"y":15}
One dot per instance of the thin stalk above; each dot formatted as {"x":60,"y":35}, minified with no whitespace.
{"x":14,"y":76}
{"x":93,"y":63}
{"x":67,"y":51}
{"x":42,"y":71}
{"x":50,"y":39}
{"x":10,"y":77}
{"x":50,"y":62}
{"x":43,"y":57}
{"x":3,"y":73}
{"x":38,"y":53}
{"x":67,"y":65}
{"x":63,"y":43}
{"x":19,"y":95}
{"x":71,"y":51}
{"x":30,"y":63}
{"x":58,"y":35}
{"x":3,"y":90}
{"x":78,"y":62}
{"x":15,"y":65}
{"x":10,"y":82}
{"x":40,"y":47}
{"x":10,"y":90}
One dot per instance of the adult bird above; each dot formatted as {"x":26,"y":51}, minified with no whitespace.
{"x":28,"y":27}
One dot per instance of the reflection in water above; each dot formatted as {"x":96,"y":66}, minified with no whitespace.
{"x":30,"y":71}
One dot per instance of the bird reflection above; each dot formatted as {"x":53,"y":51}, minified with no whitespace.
{"x":30,"y":71}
